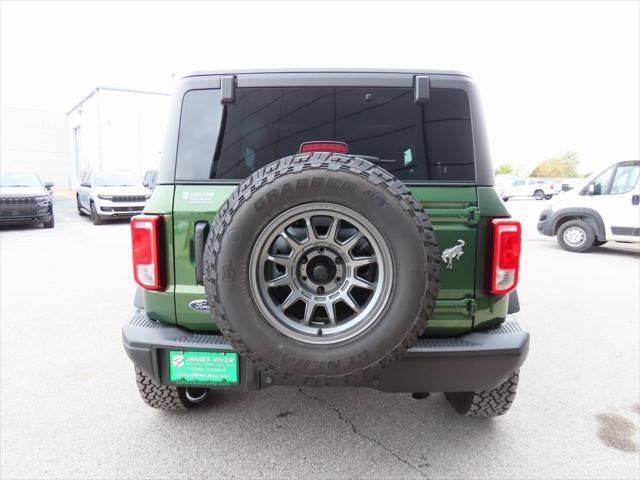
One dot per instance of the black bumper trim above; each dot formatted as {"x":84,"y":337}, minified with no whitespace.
{"x":46,"y":217}
{"x":471,"y":362}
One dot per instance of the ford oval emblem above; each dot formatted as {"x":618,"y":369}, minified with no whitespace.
{"x":199,"y":305}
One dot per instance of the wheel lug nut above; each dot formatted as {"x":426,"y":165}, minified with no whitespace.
{"x":338,"y":260}
{"x":304,"y":278}
{"x":303,"y":260}
{"x":321,"y":249}
{"x":320,"y":290}
{"x":338,"y":279}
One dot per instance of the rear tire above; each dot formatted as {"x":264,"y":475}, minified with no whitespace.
{"x":487,"y":403}
{"x":576,"y":236}
{"x":95,"y":217}
{"x":548,"y":197}
{"x":538,"y":195}
{"x":167,"y":397}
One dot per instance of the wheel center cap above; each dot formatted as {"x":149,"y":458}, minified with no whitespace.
{"x":320,"y":274}
{"x":321,"y":270}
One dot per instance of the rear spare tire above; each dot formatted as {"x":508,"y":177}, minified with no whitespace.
{"x":322,"y":269}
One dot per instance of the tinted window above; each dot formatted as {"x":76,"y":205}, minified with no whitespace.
{"x":430,"y":141}
{"x":199,"y":127}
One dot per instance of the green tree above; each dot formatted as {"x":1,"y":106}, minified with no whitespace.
{"x":504,"y":169}
{"x":560,"y":166}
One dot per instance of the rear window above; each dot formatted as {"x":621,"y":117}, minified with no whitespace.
{"x":414,"y":141}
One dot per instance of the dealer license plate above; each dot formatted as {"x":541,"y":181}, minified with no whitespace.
{"x":203,"y":368}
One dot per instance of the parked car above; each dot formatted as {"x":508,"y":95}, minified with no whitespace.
{"x":530,"y":187}
{"x":24,"y":198}
{"x":606,"y":208}
{"x":110,"y":195}
{"x":299,"y":235}
{"x":150,"y":179}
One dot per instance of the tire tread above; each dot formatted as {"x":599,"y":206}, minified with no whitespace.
{"x":162,"y":397}
{"x":486,"y":403}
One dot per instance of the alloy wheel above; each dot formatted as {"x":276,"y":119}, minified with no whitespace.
{"x":321,"y":273}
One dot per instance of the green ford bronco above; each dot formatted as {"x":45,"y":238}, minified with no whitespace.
{"x":316,"y":228}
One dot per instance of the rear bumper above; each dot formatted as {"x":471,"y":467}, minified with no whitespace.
{"x":472,"y":362}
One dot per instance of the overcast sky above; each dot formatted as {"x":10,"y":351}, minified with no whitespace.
{"x":554,"y":76}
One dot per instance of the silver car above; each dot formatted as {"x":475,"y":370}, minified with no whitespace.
{"x":110,"y":195}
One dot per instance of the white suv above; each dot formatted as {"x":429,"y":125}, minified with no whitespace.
{"x":115,"y":194}
{"x":605,"y":208}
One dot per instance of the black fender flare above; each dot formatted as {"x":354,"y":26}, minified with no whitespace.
{"x":589,"y":215}
{"x":138,"y":299}
{"x":514,"y":302}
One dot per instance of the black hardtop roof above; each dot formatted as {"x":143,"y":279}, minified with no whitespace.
{"x":205,"y":73}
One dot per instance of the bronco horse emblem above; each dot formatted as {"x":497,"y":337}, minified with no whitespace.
{"x":453,"y":252}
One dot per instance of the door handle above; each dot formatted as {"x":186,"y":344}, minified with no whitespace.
{"x":635,"y":199}
{"x":200,"y":238}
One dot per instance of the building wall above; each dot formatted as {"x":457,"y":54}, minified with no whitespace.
{"x":118,"y":130}
{"x":35,"y":140}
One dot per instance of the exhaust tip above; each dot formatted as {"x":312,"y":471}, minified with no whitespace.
{"x":420,"y":395}
{"x":196,"y":395}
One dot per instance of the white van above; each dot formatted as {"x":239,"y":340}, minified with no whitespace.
{"x":605,"y":208}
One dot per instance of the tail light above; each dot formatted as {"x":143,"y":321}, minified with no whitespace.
{"x":507,"y":238}
{"x":145,"y":241}
{"x":335,"y":147}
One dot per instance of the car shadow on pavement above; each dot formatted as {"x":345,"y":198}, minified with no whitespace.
{"x":21,"y":226}
{"x":119,"y":221}
{"x":615,"y":250}
{"x":357,"y":422}
{"x":610,"y":248}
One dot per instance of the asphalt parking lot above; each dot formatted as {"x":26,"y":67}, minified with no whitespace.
{"x":70,"y":407}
